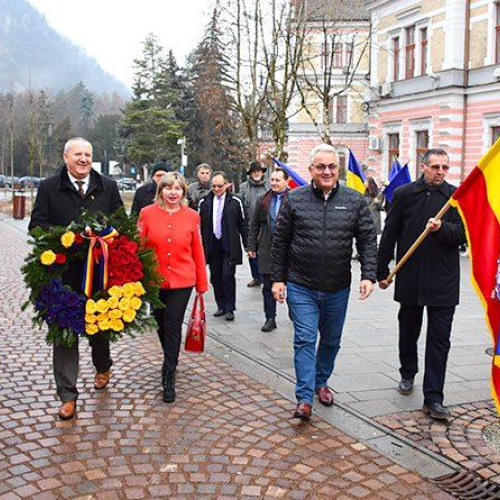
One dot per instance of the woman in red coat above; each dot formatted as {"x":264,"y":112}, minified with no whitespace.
{"x":173,"y":231}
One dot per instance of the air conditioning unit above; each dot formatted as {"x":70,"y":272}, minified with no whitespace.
{"x":385,"y":89}
{"x":374,"y":144}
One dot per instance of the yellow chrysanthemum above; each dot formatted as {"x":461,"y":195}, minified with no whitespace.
{"x":90,"y":307}
{"x":124,"y":304}
{"x":102,"y":317}
{"x":115,"y":314}
{"x":116,"y":291}
{"x":135,"y":303}
{"x":67,"y":239}
{"x":116,"y":325}
{"x":139,"y":289}
{"x":102,"y":305}
{"x":91,"y":329}
{"x":104,"y":325}
{"x":90,"y":319}
{"x":129,"y":315}
{"x":128,"y":290}
{"x":113,"y":302}
{"x":48,"y":257}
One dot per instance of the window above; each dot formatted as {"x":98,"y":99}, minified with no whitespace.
{"x":410,"y":52}
{"x":497,"y":34}
{"x":342,"y":109}
{"x":495,"y":134}
{"x":393,"y":140}
{"x":337,"y":56}
{"x":395,"y":55}
{"x":348,"y":54}
{"x":423,"y":53}
{"x":422,"y":147}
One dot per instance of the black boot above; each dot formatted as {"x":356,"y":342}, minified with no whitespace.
{"x":169,"y":387}
{"x":163,"y":373}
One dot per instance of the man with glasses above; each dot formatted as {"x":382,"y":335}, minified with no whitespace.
{"x":429,"y":279}
{"x":311,"y":263}
{"x":222,"y":225}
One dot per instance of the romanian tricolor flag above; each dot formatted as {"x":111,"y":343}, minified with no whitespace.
{"x":478,"y":201}
{"x":295,"y":179}
{"x":355,"y":176}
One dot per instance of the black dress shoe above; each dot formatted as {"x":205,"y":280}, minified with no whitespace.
{"x":405,"y":387}
{"x":269,"y":325}
{"x":229,"y":316}
{"x":219,"y":313}
{"x":437,"y":411}
{"x":253,"y":283}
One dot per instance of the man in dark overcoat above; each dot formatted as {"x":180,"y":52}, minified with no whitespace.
{"x":429,"y":279}
{"x":261,"y":229}
{"x":60,"y":200}
{"x":223,"y":226}
{"x":146,"y":194}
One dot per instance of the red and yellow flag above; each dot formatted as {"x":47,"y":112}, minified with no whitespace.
{"x":478,"y":201}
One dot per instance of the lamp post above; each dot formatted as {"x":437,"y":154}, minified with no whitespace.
{"x":182,"y":143}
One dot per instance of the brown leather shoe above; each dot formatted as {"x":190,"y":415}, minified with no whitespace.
{"x":101,"y":380}
{"x":325,"y":396}
{"x":303,"y":411}
{"x":67,"y":410}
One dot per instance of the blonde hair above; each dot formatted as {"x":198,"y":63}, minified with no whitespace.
{"x":168,"y":180}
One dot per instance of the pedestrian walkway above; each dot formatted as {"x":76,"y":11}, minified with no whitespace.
{"x":227,"y":435}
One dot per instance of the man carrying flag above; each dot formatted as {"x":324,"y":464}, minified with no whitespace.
{"x":429,"y":279}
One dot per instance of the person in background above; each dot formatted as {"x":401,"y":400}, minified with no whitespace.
{"x":146,"y":194}
{"x":223,"y":223}
{"x":375,"y":203}
{"x":200,"y":188}
{"x":261,"y":230}
{"x":173,"y":230}
{"x":250,"y":193}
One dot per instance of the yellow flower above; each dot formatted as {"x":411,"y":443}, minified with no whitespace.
{"x":67,"y":239}
{"x":128,"y":290}
{"x":139,"y":289}
{"x":90,"y":306}
{"x":91,"y":329}
{"x":124,"y":304}
{"x":113,"y":302}
{"x":103,"y":325}
{"x":102,"y":305}
{"x":115,"y":291}
{"x":114,"y":314}
{"x":90,"y":319}
{"x":102,"y":317}
{"x":135,"y":303}
{"x":116,"y":325}
{"x":129,"y":315}
{"x":48,"y":257}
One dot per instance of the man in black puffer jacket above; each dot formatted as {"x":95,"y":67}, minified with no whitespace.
{"x":311,"y":258}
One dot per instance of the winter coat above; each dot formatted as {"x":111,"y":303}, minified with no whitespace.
{"x":234,"y":226}
{"x":197,"y":191}
{"x":259,"y":232}
{"x":250,"y":194}
{"x":312,"y":243}
{"x":143,"y":197}
{"x":431,"y":276}
{"x":375,"y":206}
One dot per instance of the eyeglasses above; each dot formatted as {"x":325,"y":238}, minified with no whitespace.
{"x":437,"y":167}
{"x":322,"y":168}
{"x":218,"y":185}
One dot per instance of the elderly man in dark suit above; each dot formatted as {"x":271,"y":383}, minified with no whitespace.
{"x":429,"y":279}
{"x":60,"y":200}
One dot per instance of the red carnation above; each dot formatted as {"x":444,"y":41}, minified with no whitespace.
{"x":60,"y":258}
{"x":78,"y":239}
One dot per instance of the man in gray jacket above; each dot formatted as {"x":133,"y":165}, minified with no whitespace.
{"x":199,"y":189}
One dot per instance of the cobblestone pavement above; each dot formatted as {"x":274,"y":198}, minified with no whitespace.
{"x":227,"y":435}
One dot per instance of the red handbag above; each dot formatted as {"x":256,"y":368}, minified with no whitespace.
{"x":197,"y":326}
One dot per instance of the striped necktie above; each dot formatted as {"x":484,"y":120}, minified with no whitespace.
{"x":80,"y":184}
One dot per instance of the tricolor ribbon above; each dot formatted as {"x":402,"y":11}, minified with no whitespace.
{"x":101,"y":241}
{"x":496,"y":294}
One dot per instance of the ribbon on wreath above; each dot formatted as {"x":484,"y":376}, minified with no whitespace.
{"x":496,"y":295}
{"x":97,"y":241}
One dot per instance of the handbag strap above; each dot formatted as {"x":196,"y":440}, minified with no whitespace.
{"x":201,"y":299}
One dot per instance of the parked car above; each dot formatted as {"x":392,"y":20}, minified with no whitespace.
{"x":126,"y":183}
{"x":6,"y":181}
{"x":28,"y":182}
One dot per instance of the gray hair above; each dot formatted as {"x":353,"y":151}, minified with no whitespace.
{"x":74,"y":140}
{"x":322,"y":148}
{"x":205,"y":166}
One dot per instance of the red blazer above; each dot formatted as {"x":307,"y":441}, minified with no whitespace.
{"x":176,"y":241}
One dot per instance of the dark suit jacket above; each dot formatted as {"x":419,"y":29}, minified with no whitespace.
{"x":143,"y":197}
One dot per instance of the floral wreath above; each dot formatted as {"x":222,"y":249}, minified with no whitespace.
{"x":117,"y":275}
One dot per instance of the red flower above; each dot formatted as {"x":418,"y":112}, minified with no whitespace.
{"x":78,"y":239}
{"x":124,"y":263}
{"x":60,"y":258}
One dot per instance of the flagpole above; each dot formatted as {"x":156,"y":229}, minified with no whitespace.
{"x":417,"y":243}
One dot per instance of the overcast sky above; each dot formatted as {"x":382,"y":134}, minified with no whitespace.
{"x":112,"y":30}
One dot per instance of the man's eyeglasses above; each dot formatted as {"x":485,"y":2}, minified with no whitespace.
{"x":218,"y":185}
{"x":321,"y":168}
{"x":437,"y":167}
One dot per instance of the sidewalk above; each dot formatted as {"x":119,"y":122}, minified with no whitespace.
{"x":227,"y":435}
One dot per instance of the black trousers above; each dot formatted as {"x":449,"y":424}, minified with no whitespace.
{"x":170,"y":321}
{"x":222,"y":278}
{"x":439,"y":321}
{"x":269,"y":302}
{"x":65,"y":364}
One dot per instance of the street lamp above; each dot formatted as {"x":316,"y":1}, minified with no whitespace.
{"x":182,"y":143}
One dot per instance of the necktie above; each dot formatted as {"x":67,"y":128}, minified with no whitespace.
{"x":80,"y":184}
{"x":218,"y":218}
{"x":277,"y":205}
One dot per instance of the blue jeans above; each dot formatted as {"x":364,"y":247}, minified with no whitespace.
{"x":254,"y":267}
{"x":310,"y":311}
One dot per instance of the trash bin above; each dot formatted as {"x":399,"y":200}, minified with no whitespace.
{"x":19,"y":205}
